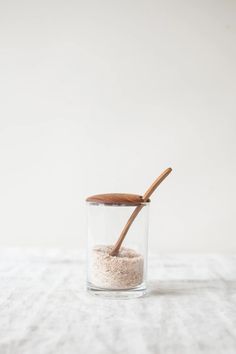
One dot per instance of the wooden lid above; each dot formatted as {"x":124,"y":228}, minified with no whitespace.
{"x":116,"y":198}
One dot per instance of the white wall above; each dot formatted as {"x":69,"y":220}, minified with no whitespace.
{"x":100,"y":96}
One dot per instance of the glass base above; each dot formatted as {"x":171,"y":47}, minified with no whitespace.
{"x":116,"y":294}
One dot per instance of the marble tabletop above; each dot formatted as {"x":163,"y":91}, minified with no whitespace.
{"x":44,"y":309}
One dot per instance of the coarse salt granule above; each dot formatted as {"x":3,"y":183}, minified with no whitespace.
{"x":123,"y":271}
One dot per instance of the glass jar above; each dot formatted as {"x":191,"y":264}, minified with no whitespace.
{"x":124,"y":274}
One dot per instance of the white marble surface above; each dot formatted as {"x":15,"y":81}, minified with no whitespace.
{"x":44,"y":308}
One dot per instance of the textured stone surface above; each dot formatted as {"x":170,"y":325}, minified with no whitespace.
{"x":44,"y":309}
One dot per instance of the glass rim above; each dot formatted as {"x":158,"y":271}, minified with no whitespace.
{"x":118,"y":204}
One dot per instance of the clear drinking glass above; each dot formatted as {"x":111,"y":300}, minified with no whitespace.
{"x":124,"y":275}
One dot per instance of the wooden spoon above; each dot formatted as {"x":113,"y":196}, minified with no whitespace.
{"x":146,"y":196}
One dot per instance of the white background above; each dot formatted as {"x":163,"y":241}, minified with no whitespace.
{"x":101,"y":96}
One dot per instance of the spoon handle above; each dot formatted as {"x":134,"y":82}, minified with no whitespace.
{"x":136,"y":211}
{"x":156,"y":183}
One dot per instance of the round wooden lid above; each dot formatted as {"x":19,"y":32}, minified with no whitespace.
{"x":116,"y":198}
